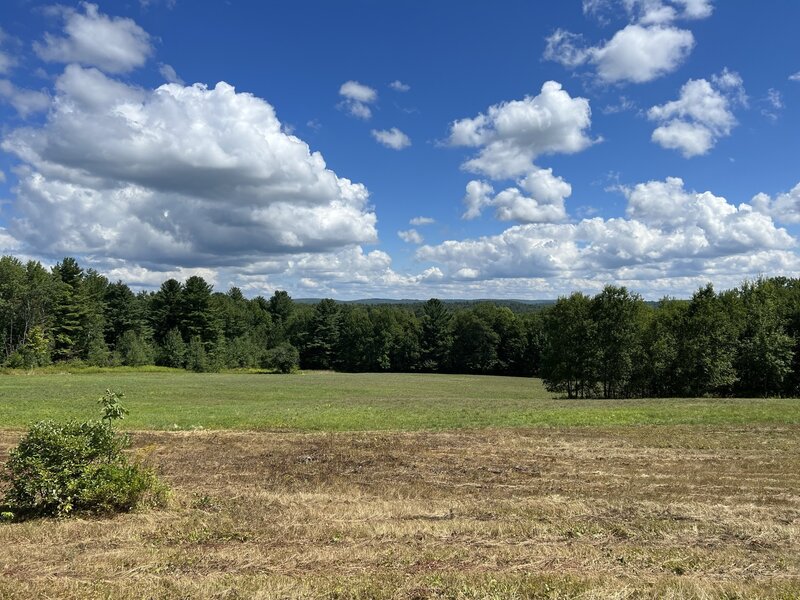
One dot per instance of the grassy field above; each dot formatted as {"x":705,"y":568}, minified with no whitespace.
{"x":322,"y":401}
{"x":408,"y":487}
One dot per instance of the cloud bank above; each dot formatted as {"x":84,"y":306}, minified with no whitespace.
{"x":669,"y":234}
{"x":183,"y":175}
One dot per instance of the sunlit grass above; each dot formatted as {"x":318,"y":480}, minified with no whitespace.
{"x":352,"y":402}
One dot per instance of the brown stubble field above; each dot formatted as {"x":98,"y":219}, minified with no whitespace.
{"x":624,"y":512}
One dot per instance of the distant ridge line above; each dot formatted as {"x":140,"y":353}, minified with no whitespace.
{"x":418,"y":301}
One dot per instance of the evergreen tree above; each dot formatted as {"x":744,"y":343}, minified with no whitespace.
{"x":196,"y":356}
{"x":134,"y":350}
{"x":281,"y":307}
{"x":405,"y":350}
{"x":436,"y":339}
{"x":92,"y":342}
{"x":123,"y":312}
{"x":67,"y":310}
{"x":323,"y":335}
{"x":172,"y":352}
{"x":165,"y":309}
{"x":197,"y":315}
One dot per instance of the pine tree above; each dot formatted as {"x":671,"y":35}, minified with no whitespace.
{"x":323,"y":335}
{"x":436,"y":335}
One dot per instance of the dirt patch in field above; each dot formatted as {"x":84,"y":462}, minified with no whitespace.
{"x":639,"y":512}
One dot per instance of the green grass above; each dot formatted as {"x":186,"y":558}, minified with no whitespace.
{"x":343,"y":402}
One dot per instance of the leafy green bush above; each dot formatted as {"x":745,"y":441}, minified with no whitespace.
{"x":63,"y":468}
{"x":284,"y":358}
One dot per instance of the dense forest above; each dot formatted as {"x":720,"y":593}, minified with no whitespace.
{"x":744,"y":341}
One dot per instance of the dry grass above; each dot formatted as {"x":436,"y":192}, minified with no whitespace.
{"x":630,"y":512}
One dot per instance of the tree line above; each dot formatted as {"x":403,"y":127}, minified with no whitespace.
{"x":742,"y":341}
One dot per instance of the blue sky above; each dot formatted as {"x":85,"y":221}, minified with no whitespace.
{"x":405,"y":149}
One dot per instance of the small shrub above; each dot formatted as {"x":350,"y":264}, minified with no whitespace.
{"x":63,"y":468}
{"x":112,"y":407}
{"x":16,"y":361}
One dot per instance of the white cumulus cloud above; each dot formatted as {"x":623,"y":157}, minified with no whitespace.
{"x":24,"y":101}
{"x":784,"y":208}
{"x":176,"y":176}
{"x":392,"y":138}
{"x":169,"y":74}
{"x":650,"y":46}
{"x":511,"y":135}
{"x":399,"y":86}
{"x":666,"y":11}
{"x":410,"y":236}
{"x":539,"y":198}
{"x":638,"y":53}
{"x":700,"y":116}
{"x":418,"y":221}
{"x":357,"y":98}
{"x":651,"y":11}
{"x":91,"y":38}
{"x":8,"y":243}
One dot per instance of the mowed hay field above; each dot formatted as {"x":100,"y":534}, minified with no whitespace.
{"x":290,"y":495}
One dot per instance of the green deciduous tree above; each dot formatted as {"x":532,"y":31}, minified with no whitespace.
{"x":568,"y":355}
{"x":658,"y":374}
{"x":474,"y":348}
{"x":616,"y":317}
{"x":355,"y":346}
{"x":765,"y":351}
{"x":284,"y":358}
{"x":708,"y":346}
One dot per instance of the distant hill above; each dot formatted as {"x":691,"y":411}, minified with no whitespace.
{"x":518,"y":306}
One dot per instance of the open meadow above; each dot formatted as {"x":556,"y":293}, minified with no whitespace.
{"x":328,"y":401}
{"x":419,"y":486}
